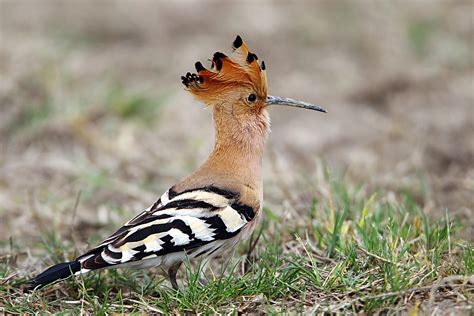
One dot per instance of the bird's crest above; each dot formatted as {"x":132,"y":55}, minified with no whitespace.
{"x":240,"y":68}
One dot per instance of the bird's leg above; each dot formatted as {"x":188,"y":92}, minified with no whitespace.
{"x":252,"y":243}
{"x":202,"y":273}
{"x":172,"y":271}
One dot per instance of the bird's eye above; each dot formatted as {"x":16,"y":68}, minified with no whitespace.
{"x":252,"y":97}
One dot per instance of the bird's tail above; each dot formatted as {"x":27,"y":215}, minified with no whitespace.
{"x":52,"y":274}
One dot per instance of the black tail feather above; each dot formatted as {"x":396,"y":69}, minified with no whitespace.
{"x":52,"y":274}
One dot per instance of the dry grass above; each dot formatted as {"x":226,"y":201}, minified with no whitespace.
{"x":91,"y":105}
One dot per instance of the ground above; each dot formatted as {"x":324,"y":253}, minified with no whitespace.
{"x":368,"y":208}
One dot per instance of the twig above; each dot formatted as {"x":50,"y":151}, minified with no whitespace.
{"x":376,"y":256}
{"x":153,"y":309}
{"x":8,"y":278}
{"x":74,"y":211}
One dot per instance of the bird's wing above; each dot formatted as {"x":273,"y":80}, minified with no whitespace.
{"x":177,"y":222}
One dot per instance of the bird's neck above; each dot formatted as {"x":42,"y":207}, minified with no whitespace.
{"x":238,"y":149}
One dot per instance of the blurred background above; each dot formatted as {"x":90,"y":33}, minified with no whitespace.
{"x":93,"y":114}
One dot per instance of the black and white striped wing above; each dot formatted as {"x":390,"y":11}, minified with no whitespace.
{"x":177,"y":223}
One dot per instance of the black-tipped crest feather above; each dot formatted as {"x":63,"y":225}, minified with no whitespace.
{"x":217,"y":59}
{"x":237,"y":42}
{"x":251,"y":57}
{"x":199,"y":67}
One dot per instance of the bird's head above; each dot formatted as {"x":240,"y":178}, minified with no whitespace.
{"x":235,"y":87}
{"x":236,"y":84}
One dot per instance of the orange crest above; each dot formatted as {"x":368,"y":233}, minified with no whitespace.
{"x":241,"y":68}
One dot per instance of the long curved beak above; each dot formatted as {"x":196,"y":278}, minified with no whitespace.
{"x":272,"y":100}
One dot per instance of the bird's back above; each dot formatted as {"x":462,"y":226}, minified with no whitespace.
{"x":182,"y":223}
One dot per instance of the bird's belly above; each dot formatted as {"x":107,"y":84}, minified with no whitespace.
{"x":250,"y":227}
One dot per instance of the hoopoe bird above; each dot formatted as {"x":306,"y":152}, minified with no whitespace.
{"x":211,"y":210}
